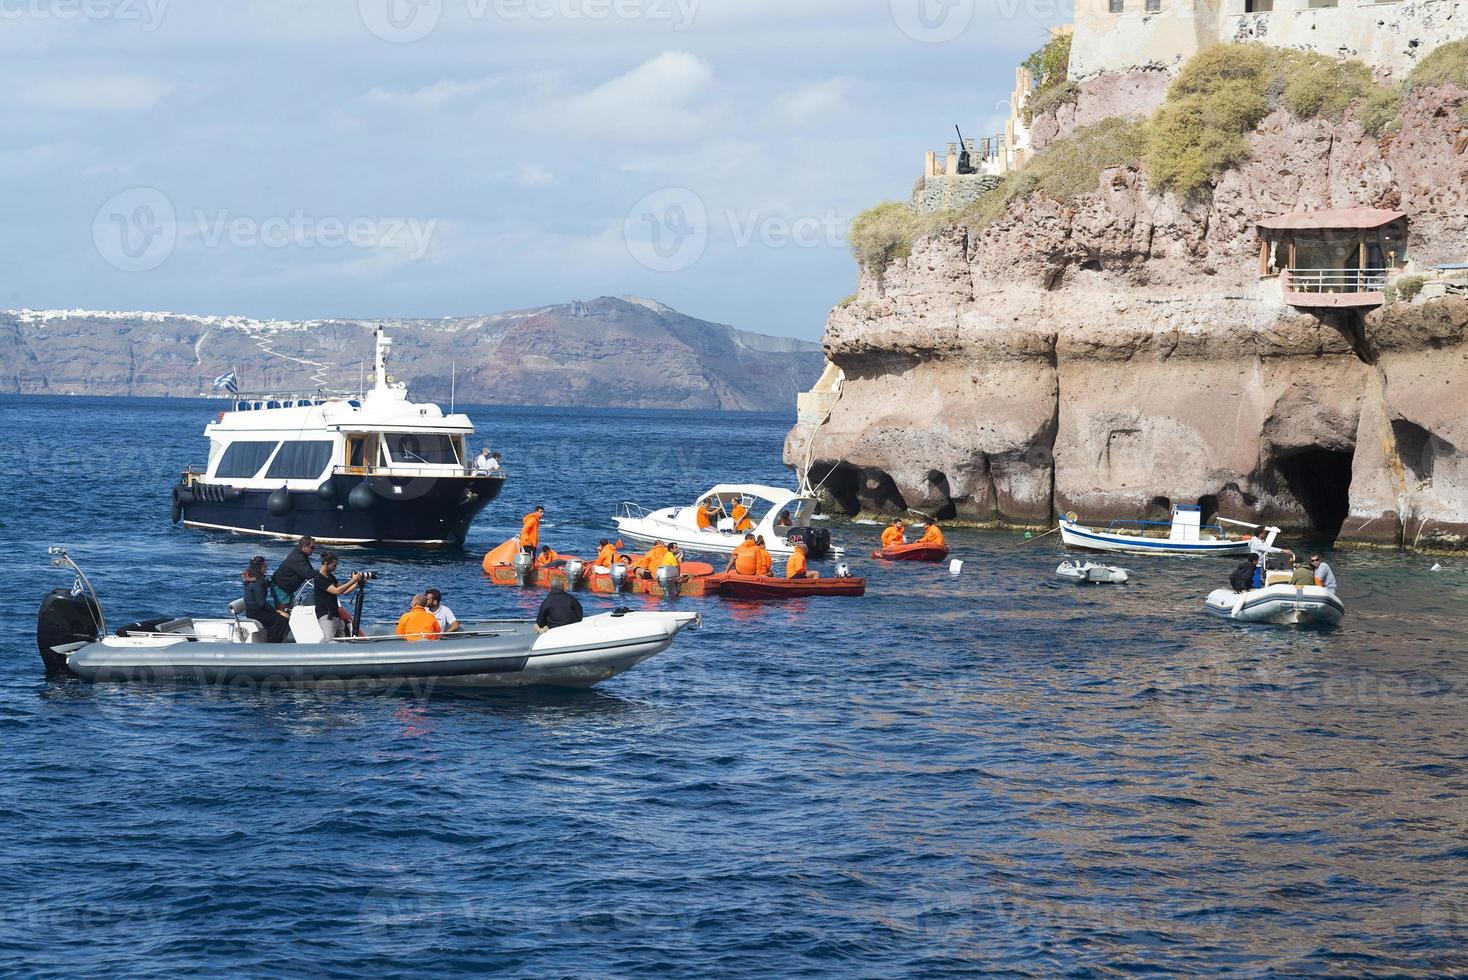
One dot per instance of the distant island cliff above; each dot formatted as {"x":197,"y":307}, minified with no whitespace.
{"x":1224,"y":279}
{"x":618,"y":353}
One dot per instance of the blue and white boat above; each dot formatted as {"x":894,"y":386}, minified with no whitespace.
{"x":1185,"y":534}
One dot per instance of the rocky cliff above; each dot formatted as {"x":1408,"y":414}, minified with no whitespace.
{"x":627,"y":353}
{"x":1118,"y":352}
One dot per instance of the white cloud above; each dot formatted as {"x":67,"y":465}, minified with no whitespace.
{"x":534,"y":175}
{"x":813,"y":103}
{"x":656,"y":101}
{"x":99,"y":93}
{"x":432,"y":96}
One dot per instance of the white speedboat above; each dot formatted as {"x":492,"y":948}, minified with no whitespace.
{"x":367,"y":469}
{"x":1090,"y":573}
{"x":1281,"y":605}
{"x":1185,"y":534}
{"x":782,"y":517}
{"x":73,"y":639}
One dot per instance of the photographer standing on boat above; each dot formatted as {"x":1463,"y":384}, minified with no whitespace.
{"x":328,"y":593}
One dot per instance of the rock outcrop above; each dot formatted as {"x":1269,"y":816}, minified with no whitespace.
{"x":620,"y":353}
{"x":1119,"y":353}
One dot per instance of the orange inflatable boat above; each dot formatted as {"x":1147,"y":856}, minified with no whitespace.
{"x":917,"y":551}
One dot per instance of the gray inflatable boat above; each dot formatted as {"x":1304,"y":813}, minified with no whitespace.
{"x":73,"y":639}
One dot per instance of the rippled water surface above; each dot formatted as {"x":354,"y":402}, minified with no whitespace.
{"x":990,"y":772}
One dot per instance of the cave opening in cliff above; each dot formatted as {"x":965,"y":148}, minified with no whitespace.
{"x":1320,"y":479}
{"x":842,"y":483}
{"x":945,"y":511}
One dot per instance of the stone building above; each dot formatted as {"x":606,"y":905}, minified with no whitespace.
{"x":1114,"y":36}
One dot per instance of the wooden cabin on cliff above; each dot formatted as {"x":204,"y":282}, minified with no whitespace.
{"x":1332,"y":259}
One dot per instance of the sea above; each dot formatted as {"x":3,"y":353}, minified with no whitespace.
{"x":989,"y":772}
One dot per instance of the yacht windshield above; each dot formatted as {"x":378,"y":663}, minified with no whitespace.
{"x":417,"y":447}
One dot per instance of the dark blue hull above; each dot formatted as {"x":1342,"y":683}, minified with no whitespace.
{"x":416,"y":512}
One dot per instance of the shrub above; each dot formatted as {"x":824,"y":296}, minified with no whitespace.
{"x":884,"y":233}
{"x":1448,"y":63}
{"x":1064,"y":169}
{"x":1066,"y":93}
{"x":1225,"y":92}
{"x":847,"y":301}
{"x":1050,"y":67}
{"x":1404,"y":288}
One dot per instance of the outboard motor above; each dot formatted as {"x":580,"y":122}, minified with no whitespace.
{"x":65,"y":618}
{"x":523,"y":563}
{"x":619,"y":577}
{"x":575,"y":569}
{"x":817,"y":541}
{"x":843,"y":570}
{"x":669,"y":579}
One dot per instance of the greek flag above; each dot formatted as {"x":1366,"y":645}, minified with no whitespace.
{"x":227,"y":382}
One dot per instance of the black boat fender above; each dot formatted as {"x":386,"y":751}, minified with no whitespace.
{"x":176,"y":511}
{"x":361,"y":498}
{"x":327,"y":491}
{"x":280,"y":503}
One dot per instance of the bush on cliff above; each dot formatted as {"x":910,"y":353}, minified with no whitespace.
{"x":1404,"y":288}
{"x":1050,"y":68}
{"x":1065,"y":169}
{"x":1224,"y":93}
{"x":1448,"y":64}
{"x":885,"y":233}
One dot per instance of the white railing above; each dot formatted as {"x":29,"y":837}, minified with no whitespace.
{"x":1335,"y":280}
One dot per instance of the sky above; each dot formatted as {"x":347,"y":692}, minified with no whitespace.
{"x":302,"y":159}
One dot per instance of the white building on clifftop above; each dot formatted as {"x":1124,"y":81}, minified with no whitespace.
{"x":1114,"y":36}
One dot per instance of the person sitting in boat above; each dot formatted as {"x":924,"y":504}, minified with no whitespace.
{"x":796,"y":566}
{"x":764,"y":561}
{"x":607,"y":555}
{"x":1242,"y":579}
{"x":486,"y":463}
{"x":292,"y":573}
{"x":258,"y":605}
{"x":548,"y":558}
{"x":933,"y":535}
{"x":1324,"y":577}
{"x":530,"y":531}
{"x":740,"y":513}
{"x":784,"y":520}
{"x":447,"y":621}
{"x":560,"y":608}
{"x":647,"y":566}
{"x":418,"y":623}
{"x":744,"y":560}
{"x":710,"y":515}
{"x":1303,"y":575}
{"x":328,"y":593}
{"x":673,"y":558}
{"x":894,"y":536}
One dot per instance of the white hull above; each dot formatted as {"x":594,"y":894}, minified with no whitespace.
{"x":1090,"y":539}
{"x":648,"y":530}
{"x":1089,"y":573}
{"x":1279,"y":605}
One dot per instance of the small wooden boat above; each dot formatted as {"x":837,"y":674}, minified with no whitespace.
{"x":1185,"y":534}
{"x":767,"y":587}
{"x":917,"y":551}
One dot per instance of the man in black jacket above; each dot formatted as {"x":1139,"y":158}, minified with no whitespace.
{"x":1242,"y":579}
{"x":258,"y":605}
{"x":293,"y":573}
{"x":560,"y":608}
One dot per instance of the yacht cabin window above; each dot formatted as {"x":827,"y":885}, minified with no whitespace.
{"x":301,"y":461}
{"x":419,"y":447}
{"x":242,"y":460}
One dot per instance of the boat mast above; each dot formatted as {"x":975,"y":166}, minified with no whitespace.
{"x":384,"y":346}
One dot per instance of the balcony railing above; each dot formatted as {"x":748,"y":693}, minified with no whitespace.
{"x":1335,"y":280}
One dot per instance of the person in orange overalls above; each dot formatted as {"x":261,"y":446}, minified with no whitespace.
{"x":744,"y":560}
{"x":607,"y":555}
{"x":647,"y":566}
{"x":796,"y":566}
{"x":547,"y":557}
{"x":934,"y":536}
{"x":740,"y":513}
{"x":764,"y":562}
{"x":530,"y":530}
{"x":894,"y":536}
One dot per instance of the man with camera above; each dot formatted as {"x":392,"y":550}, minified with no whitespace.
{"x":328,"y":595}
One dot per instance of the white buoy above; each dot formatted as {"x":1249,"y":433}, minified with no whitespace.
{"x":955,"y":567}
{"x":1438,"y":567}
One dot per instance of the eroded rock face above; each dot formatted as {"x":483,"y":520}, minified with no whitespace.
{"x":1119,"y":354}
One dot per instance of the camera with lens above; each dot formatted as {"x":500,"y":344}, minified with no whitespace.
{"x":368,"y":576}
